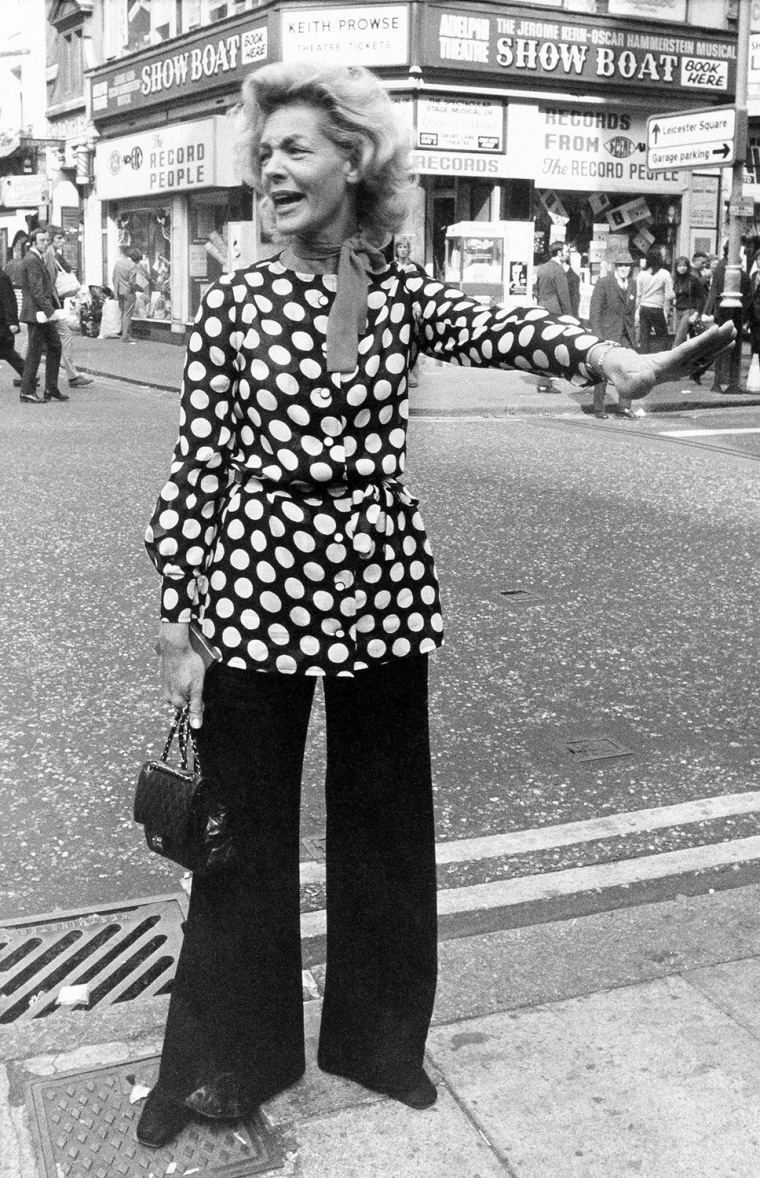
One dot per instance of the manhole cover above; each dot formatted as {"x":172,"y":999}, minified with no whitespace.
{"x":119,"y":954}
{"x":84,"y":1126}
{"x":595,"y":748}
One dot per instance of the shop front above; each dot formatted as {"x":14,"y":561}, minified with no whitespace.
{"x":575,"y":96}
{"x":173,"y":198}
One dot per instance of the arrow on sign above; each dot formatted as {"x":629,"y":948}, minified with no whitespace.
{"x":724,"y":150}
{"x":656,"y":132}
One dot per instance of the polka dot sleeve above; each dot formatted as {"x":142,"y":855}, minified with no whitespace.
{"x":182,"y":530}
{"x":456,"y":328}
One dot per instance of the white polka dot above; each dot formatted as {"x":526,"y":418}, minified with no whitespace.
{"x":258,"y":650}
{"x":337,"y":652}
{"x":243,"y":587}
{"x":270,"y":602}
{"x":231,"y":636}
{"x":309,"y":645}
{"x":196,"y":370}
{"x":250,"y":619}
{"x":376,"y":648}
{"x":286,"y":664}
{"x":213,"y":327}
{"x":239,"y":559}
{"x":171,"y":598}
{"x":401,"y":647}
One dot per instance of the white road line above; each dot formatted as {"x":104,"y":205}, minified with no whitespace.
{"x":545,"y":837}
{"x":704,"y":433}
{"x":576,"y":880}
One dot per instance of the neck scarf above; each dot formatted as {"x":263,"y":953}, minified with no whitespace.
{"x":357,"y":259}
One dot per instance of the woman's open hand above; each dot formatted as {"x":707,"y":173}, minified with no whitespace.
{"x":634,"y":375}
{"x":182,"y":670}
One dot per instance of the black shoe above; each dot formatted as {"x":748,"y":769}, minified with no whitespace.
{"x":56,"y":395}
{"x":422,"y":1093}
{"x":161,"y":1120}
{"x":32,"y":398}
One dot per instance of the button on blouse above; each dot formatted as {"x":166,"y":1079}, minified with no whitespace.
{"x":284,"y":526}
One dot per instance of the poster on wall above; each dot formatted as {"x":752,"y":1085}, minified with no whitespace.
{"x":704,"y":201}
{"x":460,"y":124}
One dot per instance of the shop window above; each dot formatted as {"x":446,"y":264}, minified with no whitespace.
{"x":146,"y":232}
{"x":209,"y":215}
{"x":637,"y":221}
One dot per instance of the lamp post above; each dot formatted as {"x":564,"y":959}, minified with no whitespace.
{"x":731,"y":298}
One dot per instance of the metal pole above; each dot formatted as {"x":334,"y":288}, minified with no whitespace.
{"x":731,"y":297}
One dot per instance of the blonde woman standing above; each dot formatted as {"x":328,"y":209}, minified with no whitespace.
{"x":286,"y":530}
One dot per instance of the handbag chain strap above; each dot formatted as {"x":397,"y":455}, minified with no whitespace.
{"x":184,"y":733}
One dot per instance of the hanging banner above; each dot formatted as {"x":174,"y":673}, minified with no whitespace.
{"x":569,"y":50}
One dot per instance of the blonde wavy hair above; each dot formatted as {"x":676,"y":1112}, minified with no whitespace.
{"x":360,"y":121}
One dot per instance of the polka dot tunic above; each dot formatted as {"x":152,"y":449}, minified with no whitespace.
{"x":284,"y":527}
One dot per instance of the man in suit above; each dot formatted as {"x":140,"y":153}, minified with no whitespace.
{"x":613,"y":317}
{"x":552,"y":292}
{"x":39,"y":303}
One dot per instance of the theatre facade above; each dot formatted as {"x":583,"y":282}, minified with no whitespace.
{"x":516,"y":113}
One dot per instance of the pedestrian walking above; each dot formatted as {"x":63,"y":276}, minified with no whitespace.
{"x":66,"y":284}
{"x":39,"y":303}
{"x":286,"y":531}
{"x":690,"y":298}
{"x":9,"y":325}
{"x":126,"y":286}
{"x":613,"y":317}
{"x":655,"y":296}
{"x":727,"y":372}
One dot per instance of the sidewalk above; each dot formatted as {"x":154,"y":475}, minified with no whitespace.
{"x":443,"y":388}
{"x":615,"y":1044}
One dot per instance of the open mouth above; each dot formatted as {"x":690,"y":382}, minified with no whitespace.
{"x":285,"y":200}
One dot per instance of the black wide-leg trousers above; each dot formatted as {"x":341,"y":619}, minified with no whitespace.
{"x":235,"y":1034}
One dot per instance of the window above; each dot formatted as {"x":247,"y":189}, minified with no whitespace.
{"x":70,"y":80}
{"x":199,"y":13}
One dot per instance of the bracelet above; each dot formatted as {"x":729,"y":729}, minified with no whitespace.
{"x":595,"y":367}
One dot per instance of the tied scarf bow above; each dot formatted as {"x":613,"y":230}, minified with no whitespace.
{"x":357,"y":259}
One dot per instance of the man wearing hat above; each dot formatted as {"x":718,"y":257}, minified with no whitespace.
{"x":613,"y":317}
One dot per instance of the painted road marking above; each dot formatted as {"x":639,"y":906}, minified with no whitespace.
{"x":573,"y":881}
{"x":544,"y":838}
{"x":704,"y":433}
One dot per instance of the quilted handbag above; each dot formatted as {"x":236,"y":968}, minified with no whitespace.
{"x":184,"y":818}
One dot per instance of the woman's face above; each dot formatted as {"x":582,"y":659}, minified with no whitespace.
{"x":309,"y":181}
{"x":682,"y":267}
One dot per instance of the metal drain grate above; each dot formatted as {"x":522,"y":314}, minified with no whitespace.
{"x":85,"y":1128}
{"x":121,"y":954}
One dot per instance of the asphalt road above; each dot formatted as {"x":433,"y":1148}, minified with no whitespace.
{"x":600,"y":588}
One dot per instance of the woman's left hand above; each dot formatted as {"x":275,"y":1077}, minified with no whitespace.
{"x":634,"y":375}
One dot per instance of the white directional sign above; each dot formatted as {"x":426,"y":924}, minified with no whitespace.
{"x":691,"y":139}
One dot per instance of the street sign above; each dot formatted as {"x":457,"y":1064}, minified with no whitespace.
{"x":692,"y":139}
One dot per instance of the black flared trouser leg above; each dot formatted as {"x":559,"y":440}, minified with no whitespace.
{"x":381,"y":884}
{"x":234,"y":1034}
